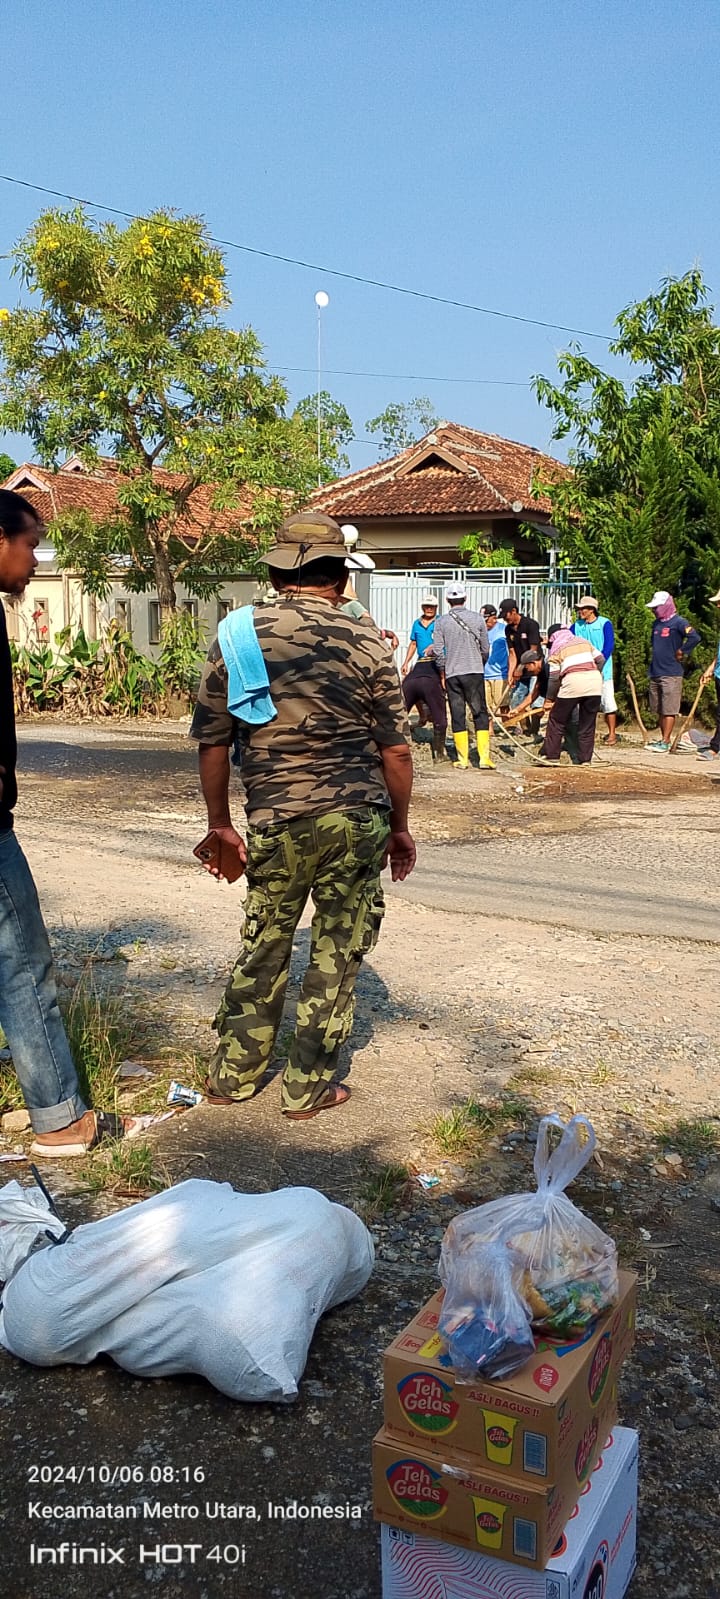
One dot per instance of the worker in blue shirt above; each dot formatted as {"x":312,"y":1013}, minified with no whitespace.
{"x":496,"y":665}
{"x":599,"y":632}
{"x":422,"y":687}
{"x":421,"y":632}
{"x":673,"y":640}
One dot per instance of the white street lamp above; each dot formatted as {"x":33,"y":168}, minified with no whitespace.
{"x":321,"y":300}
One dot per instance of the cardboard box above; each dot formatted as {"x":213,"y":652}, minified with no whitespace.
{"x":530,"y":1426}
{"x":456,"y":1497}
{"x":595,"y":1558}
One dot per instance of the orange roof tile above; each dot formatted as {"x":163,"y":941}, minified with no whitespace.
{"x":451,"y":471}
{"x":73,"y":489}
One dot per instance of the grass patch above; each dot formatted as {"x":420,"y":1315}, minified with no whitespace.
{"x":464,"y":1123}
{"x":536,"y":1076}
{"x":126,"y":1167}
{"x":100,"y":1037}
{"x":601,"y":1073}
{"x":697,"y":1137}
{"x":10,"y":1096}
{"x":451,"y":1131}
{"x":512,"y":1107}
{"x":383,"y":1189}
{"x":192,"y":1069}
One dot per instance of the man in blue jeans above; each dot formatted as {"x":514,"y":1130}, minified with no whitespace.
{"x":29,"y":1013}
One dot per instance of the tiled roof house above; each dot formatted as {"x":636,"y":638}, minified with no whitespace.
{"x":56,"y":600}
{"x":415,"y":507}
{"x":75,"y":488}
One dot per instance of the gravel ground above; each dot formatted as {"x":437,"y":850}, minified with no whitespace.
{"x":504,"y":999}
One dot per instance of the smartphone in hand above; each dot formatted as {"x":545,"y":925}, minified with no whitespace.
{"x":216,"y":853}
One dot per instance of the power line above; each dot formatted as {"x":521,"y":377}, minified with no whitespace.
{"x":331,"y":272}
{"x":406,"y":377}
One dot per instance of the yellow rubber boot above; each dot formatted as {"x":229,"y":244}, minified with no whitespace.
{"x":483,"y":749}
{"x":462,"y":745}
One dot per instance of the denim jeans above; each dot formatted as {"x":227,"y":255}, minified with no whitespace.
{"x":520,"y":693}
{"x":29,"y":1013}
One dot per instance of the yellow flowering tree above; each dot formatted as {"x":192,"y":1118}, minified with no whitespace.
{"x":119,"y":349}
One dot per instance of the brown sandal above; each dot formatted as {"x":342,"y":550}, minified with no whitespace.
{"x":336,"y":1095}
{"x":211,"y":1098}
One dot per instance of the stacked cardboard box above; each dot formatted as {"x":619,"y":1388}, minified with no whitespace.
{"x":595,"y":1558}
{"x":496,"y":1466}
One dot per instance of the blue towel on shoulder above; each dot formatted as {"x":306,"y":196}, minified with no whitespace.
{"x":248,"y":682}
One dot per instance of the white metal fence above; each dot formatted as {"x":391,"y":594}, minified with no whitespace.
{"x":395,"y":596}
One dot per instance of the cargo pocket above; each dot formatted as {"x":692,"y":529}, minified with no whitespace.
{"x":267,"y":853}
{"x":369,"y":921}
{"x":256,"y":917}
{"x":370,"y":833}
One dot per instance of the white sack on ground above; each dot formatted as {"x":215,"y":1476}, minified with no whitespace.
{"x":26,"y":1223}
{"x":198,"y":1279}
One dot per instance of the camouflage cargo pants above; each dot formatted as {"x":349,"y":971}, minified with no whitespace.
{"x":337,"y":858}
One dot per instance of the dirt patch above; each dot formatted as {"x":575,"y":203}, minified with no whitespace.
{"x":612,"y":782}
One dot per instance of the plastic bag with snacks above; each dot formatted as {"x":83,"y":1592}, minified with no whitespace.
{"x":563,"y":1268}
{"x":483,"y":1319}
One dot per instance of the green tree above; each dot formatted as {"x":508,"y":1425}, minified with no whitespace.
{"x":401,"y":424}
{"x":482,"y":552}
{"x":7,"y":465}
{"x":336,"y":430}
{"x":125,"y":353}
{"x":641,"y":509}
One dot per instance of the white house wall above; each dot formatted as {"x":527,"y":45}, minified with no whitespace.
{"x":66,"y":605}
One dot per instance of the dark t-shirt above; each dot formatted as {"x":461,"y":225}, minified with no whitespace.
{"x":8,"y":741}
{"x":522,"y":635}
{"x":541,"y":676}
{"x":667,"y":637}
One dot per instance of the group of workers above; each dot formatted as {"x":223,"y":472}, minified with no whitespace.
{"x":306,"y":696}
{"x":495,"y":664}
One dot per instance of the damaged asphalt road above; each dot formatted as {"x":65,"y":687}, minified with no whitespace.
{"x":450,"y":1004}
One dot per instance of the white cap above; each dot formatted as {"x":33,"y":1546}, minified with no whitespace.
{"x":715,"y":598}
{"x":360,"y":562}
{"x":660,"y":597}
{"x":428,"y":599}
{"x":455,"y":591}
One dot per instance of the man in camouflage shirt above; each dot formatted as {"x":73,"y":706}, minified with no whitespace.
{"x":327,"y":786}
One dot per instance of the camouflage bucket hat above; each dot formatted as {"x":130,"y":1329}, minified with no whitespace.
{"x":307,"y":536}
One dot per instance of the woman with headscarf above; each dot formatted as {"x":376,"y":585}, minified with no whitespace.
{"x":673,"y":639}
{"x":574,"y":684}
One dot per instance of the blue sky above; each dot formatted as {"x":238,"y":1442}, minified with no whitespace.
{"x":550,"y":159}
